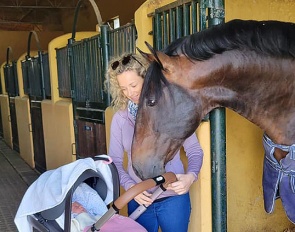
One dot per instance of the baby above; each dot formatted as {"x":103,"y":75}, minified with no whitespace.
{"x":77,"y":208}
{"x":87,"y":208}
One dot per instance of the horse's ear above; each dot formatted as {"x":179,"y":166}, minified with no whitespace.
{"x":154,"y":54}
{"x":161,"y":58}
{"x":165,"y":62}
{"x":145,"y":55}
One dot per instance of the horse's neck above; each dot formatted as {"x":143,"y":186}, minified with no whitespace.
{"x":259,"y":88}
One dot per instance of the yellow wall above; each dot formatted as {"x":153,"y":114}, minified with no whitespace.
{"x":24,"y":124}
{"x":18,"y":41}
{"x":2,"y":78}
{"x":143,"y":22}
{"x":244,"y":179}
{"x":58,"y":133}
{"x":5,"y":113}
{"x":24,"y":129}
{"x":57,"y":113}
{"x":6,"y":123}
{"x":282,"y":10}
{"x":201,"y":219}
{"x":244,"y":140}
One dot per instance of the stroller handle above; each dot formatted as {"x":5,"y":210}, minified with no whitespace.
{"x":118,"y":204}
{"x":142,"y":208}
{"x":169,"y":177}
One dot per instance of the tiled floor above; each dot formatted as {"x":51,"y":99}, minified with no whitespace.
{"x":15,"y":177}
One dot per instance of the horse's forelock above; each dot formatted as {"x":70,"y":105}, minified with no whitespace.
{"x":152,"y":86}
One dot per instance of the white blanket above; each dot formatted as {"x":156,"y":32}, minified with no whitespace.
{"x":82,"y":222}
{"x":50,"y":189}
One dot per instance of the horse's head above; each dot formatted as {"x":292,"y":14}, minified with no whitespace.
{"x":167,"y":115}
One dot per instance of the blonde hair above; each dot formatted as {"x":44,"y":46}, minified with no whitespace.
{"x":136,"y":63}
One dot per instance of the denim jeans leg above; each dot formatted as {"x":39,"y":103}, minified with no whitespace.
{"x":174,"y":213}
{"x":148,"y":219}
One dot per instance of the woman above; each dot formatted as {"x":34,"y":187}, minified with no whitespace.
{"x":171,"y":211}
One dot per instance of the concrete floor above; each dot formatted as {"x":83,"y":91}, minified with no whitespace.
{"x":15,"y":177}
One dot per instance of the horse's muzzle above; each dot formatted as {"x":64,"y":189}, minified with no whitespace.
{"x":146,"y":171}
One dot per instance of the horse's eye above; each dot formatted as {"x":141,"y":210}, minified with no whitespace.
{"x":151,"y":102}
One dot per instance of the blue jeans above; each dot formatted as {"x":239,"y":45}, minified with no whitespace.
{"x":170,"y":214}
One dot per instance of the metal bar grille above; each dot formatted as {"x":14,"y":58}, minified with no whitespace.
{"x":25,"y":72}
{"x":34,"y":78}
{"x":46,"y":72}
{"x":64,"y":82}
{"x":11,"y":82}
{"x":122,"y":40}
{"x":95,"y":87}
{"x":174,"y":21}
{"x":87,"y":71}
{"x":80,"y":77}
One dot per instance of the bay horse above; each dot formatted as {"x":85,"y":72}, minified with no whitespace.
{"x":247,"y":66}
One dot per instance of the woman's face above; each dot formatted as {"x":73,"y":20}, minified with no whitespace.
{"x":131,"y":85}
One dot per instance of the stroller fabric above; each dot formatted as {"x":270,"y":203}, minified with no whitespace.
{"x":51,"y":188}
{"x":120,"y":223}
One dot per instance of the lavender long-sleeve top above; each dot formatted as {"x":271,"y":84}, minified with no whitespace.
{"x":122,"y":130}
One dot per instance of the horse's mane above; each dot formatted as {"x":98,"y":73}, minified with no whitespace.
{"x":271,"y":38}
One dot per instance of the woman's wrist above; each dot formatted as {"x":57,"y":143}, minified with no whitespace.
{"x":193,"y":175}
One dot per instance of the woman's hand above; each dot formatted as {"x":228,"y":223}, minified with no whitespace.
{"x":144,"y":198}
{"x":183,"y":183}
